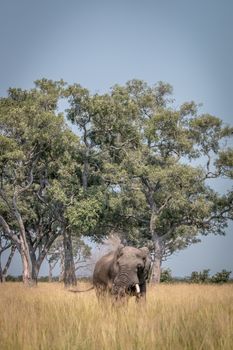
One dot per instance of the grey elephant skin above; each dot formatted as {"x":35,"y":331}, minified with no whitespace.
{"x":122,"y":272}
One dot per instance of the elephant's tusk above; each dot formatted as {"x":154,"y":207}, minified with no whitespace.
{"x":137,"y":288}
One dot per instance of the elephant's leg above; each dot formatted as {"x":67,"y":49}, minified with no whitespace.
{"x":98,"y":293}
{"x":101,"y":292}
{"x":120,"y":301}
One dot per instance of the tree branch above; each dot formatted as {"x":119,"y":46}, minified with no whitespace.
{"x":167,"y":200}
{"x":10,"y":257}
{"x":83,"y":266}
{"x":8,"y":232}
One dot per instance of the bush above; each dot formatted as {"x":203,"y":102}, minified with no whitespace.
{"x":200,"y":277}
{"x":194,"y":278}
{"x":43,"y":279}
{"x":10,"y":278}
{"x":221,"y":277}
{"x":203,"y":277}
{"x":166,"y":275}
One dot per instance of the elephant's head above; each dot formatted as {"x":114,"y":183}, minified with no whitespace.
{"x":131,"y":267}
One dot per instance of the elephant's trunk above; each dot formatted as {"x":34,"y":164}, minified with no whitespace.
{"x":124,"y":280}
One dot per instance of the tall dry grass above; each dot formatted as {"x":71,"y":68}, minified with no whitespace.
{"x":175,"y":317}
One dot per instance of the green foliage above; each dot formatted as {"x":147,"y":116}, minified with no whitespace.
{"x":221,"y":277}
{"x":166,"y":276}
{"x":10,"y":278}
{"x":141,"y":148}
{"x":85,"y":212}
{"x":204,"y":277}
{"x":225,"y":162}
{"x":131,"y":169}
{"x":38,"y":166}
{"x":200,"y":277}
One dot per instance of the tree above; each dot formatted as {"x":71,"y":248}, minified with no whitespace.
{"x":221,"y":277}
{"x":81,"y":254}
{"x":131,"y":169}
{"x":204,"y":277}
{"x":146,"y":151}
{"x":194,"y":278}
{"x":87,"y":215}
{"x":36,"y":147}
{"x":53,"y":257}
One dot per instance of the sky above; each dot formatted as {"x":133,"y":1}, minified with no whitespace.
{"x":97,"y":44}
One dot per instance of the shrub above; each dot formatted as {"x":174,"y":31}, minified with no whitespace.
{"x":10,"y":278}
{"x":221,"y":277}
{"x":200,"y":277}
{"x":166,"y":275}
{"x":194,"y":278}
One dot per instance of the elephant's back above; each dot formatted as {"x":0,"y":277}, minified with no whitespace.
{"x":103,"y":270}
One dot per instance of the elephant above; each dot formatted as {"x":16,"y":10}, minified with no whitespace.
{"x":122,"y":273}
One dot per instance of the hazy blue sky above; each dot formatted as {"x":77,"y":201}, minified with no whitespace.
{"x":99,"y":43}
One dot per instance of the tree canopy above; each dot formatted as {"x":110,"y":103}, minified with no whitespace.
{"x":148,"y":152}
{"x":138,"y":165}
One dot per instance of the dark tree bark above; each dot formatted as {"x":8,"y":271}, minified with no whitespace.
{"x":50,"y":273}
{"x":69,"y":266}
{"x":35,"y":269}
{"x":1,"y":275}
{"x":10,"y":257}
{"x":5,"y":244}
{"x":62,"y":266}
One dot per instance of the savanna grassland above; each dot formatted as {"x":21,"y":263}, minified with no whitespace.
{"x":176,"y":317}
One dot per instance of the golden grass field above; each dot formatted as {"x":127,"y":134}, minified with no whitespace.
{"x":178,"y":316}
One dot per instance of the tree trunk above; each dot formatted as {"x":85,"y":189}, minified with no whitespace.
{"x":36,"y":264}
{"x":3,"y":273}
{"x":27,"y":275}
{"x":24,"y":248}
{"x":85,"y":174}
{"x":61,"y":275}
{"x":26,"y":263}
{"x":35,"y":272}
{"x":157,"y":260}
{"x":50,"y":273}
{"x":69,"y":267}
{"x":1,"y":276}
{"x":21,"y":243}
{"x":157,"y":246}
{"x":62,"y":268}
{"x":37,"y":259}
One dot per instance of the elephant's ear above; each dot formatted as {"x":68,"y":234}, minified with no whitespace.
{"x":145,"y":251}
{"x":146,"y":256}
{"x":119,"y":251}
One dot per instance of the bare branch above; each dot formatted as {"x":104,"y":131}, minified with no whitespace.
{"x":8,"y":231}
{"x":167,"y":200}
{"x":5,"y":247}
{"x":83,"y":266}
{"x":10,"y":257}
